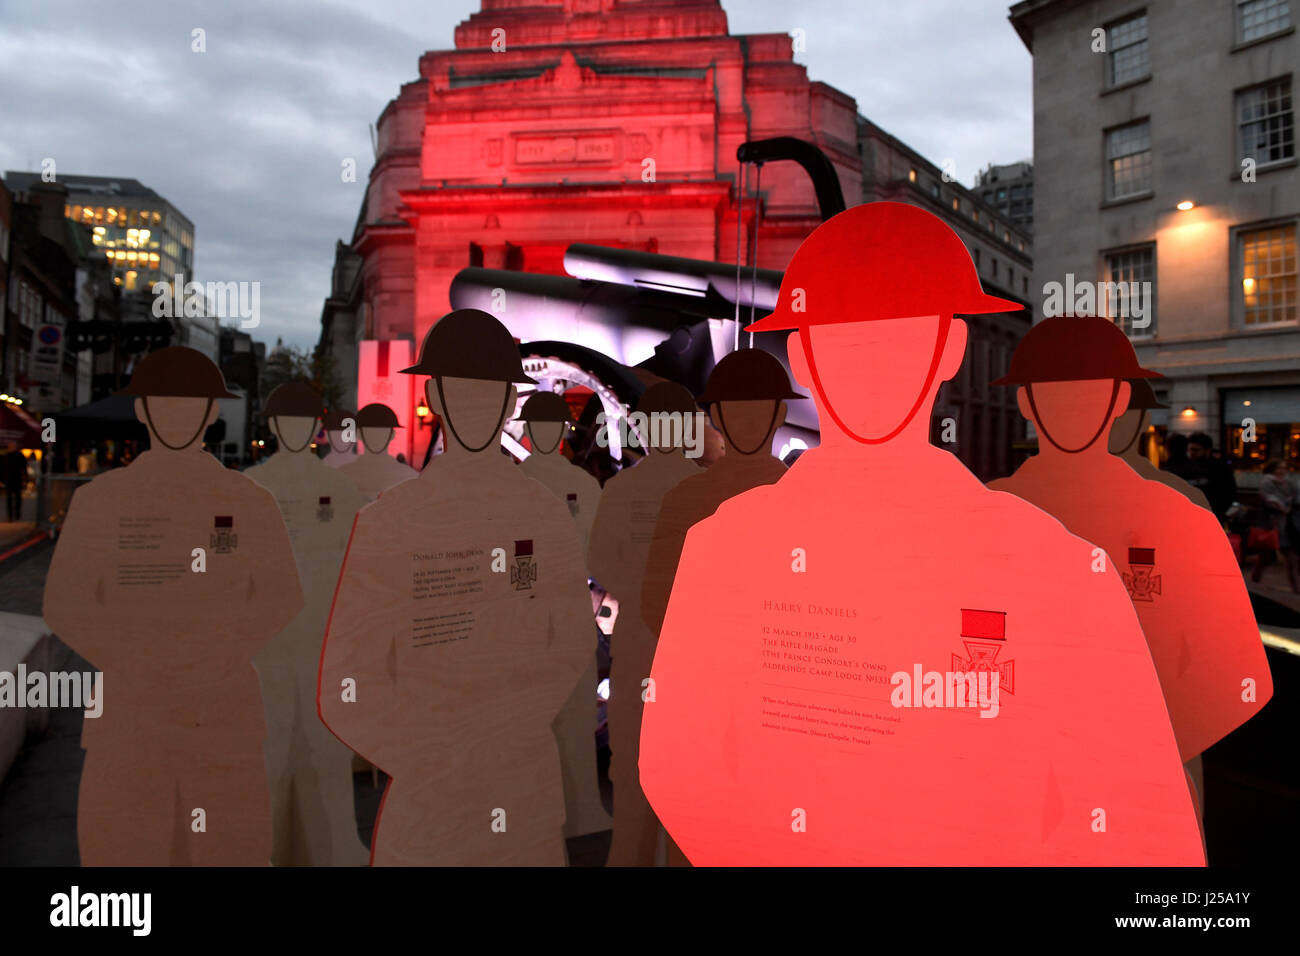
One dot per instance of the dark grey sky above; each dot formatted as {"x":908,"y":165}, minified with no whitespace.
{"x":247,"y":138}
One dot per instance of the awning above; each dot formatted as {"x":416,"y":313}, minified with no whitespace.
{"x":18,"y":428}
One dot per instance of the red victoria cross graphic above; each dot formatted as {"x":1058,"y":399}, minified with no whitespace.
{"x":1141,"y":579}
{"x":524,"y":573}
{"x":982,"y":633}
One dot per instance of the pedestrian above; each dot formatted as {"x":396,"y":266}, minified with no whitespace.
{"x":1213,"y":475}
{"x":1279,"y":498}
{"x":15,"y":477}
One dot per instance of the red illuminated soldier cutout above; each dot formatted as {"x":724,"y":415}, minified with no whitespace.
{"x":804,"y":712}
{"x":1177,"y":562}
{"x":374,"y":470}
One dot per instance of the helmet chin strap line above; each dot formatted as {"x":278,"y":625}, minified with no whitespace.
{"x":765,"y":440}
{"x":203,"y":426}
{"x":805,"y":336}
{"x":529,"y":426}
{"x":446,"y":416}
{"x":285,"y":445}
{"x":1136,"y":432}
{"x":1105,"y":420}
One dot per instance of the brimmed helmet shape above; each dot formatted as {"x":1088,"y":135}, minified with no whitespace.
{"x":177,"y":372}
{"x":1074,"y":348}
{"x":882,"y":260}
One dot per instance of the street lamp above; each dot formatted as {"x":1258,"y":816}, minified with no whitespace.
{"x":424,"y":413}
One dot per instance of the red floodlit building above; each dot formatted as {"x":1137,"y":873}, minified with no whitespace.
{"x":616,"y":123}
{"x":552,"y":122}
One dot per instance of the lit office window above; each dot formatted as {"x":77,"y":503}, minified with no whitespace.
{"x":1126,"y":45}
{"x":1268,"y":275}
{"x":1259,"y":18}
{"x":1132,"y":289}
{"x":1128,"y":160}
{"x":956,"y":203}
{"x":911,"y":175}
{"x":1267,"y":122}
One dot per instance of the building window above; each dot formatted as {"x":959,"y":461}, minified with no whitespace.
{"x":1011,"y":276}
{"x":975,"y":214}
{"x":1260,"y":18}
{"x":1024,"y":284}
{"x":976,"y":253}
{"x":911,"y":175}
{"x":1268,"y":275}
{"x":934,"y":190}
{"x":993,"y":263}
{"x":1266,"y":122}
{"x":1128,"y":160}
{"x":1126,"y":43}
{"x":1129,"y":296}
{"x":956,"y":204}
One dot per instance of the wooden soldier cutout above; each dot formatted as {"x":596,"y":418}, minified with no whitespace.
{"x":1129,"y":427}
{"x":340,"y":425}
{"x":375,"y":471}
{"x":310,"y":772}
{"x":462,"y":622}
{"x":168,"y":576}
{"x":548,"y":419}
{"x":616,"y":557}
{"x":745,"y":395}
{"x":1199,"y":624}
{"x":803,"y":712}
{"x":1123,"y":443}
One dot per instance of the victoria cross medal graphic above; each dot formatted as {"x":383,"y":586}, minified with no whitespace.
{"x":982,"y":635}
{"x":524,"y":572}
{"x":224,"y":540}
{"x":1141,"y":580}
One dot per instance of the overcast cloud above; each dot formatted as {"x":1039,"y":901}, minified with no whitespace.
{"x":247,"y":138}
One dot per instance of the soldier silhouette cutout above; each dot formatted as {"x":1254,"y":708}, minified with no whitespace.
{"x":826,"y":634}
{"x":168,"y":576}
{"x":745,"y":397}
{"x":1176,"y":561}
{"x":616,"y":556}
{"x":548,"y":420}
{"x":1124,"y":442}
{"x":310,"y":772}
{"x":340,"y":426}
{"x":374,"y":470}
{"x":460,"y":626}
